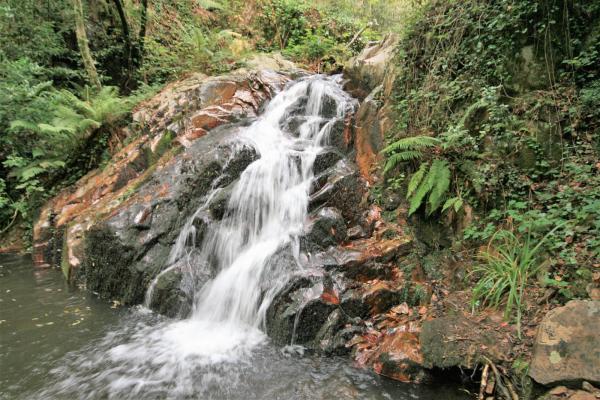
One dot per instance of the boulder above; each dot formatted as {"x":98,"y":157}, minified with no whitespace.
{"x":340,"y":187}
{"x":567,"y":345}
{"x":299,"y":312}
{"x":368,"y":69}
{"x":168,"y":297}
{"x":459,"y":341}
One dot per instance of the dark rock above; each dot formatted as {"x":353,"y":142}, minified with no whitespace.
{"x":299,"y":312}
{"x":240,"y":160}
{"x":326,"y":228}
{"x":332,"y":338}
{"x":354,"y":305}
{"x":343,"y":190}
{"x":356,"y":232}
{"x":168,"y":298}
{"x":567,"y":345}
{"x":325,"y":160}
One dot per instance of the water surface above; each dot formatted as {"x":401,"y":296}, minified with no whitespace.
{"x":50,"y":336}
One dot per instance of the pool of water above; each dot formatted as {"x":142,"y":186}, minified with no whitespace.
{"x":58,"y":342}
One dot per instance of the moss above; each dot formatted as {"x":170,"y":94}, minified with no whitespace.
{"x":107,"y":269}
{"x":64,"y":261}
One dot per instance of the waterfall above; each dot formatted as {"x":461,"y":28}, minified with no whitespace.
{"x":268,"y":206}
{"x":265,"y":216}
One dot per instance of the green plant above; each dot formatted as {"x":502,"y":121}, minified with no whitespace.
{"x":407,"y":149}
{"x":431,"y":182}
{"x":57,"y":134}
{"x":505,"y":267}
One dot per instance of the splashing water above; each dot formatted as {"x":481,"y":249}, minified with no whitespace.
{"x":265,"y":215}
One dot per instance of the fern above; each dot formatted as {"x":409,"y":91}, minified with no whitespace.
{"x":440,"y":173}
{"x":430,"y":182}
{"x":412,"y":143}
{"x":416,"y":179}
{"x":397,"y":158}
{"x":424,"y":188}
{"x":454,"y":202}
{"x":407,"y":149}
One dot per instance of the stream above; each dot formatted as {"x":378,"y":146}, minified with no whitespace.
{"x":61,"y":343}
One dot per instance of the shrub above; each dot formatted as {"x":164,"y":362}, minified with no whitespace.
{"x":507,"y":264}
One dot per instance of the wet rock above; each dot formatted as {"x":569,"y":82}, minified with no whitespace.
{"x":343,"y":189}
{"x":326,"y":228}
{"x":366,"y":260}
{"x":108,"y":268}
{"x":300,"y":311}
{"x":567,"y":345}
{"x":354,"y":304}
{"x":399,"y":357}
{"x":218,"y":205}
{"x":334,"y":334}
{"x":152,"y":182}
{"x":383,"y":295}
{"x":239,"y":161}
{"x":168,"y":298}
{"x":325,"y":160}
{"x":356,"y":232}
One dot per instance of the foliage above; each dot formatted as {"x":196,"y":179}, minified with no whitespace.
{"x":507,"y":264}
{"x":431,"y":182}
{"x":44,"y":129}
{"x":511,"y":91}
{"x":407,"y":149}
{"x":309,"y":34}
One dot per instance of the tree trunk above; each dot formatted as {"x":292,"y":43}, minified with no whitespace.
{"x":125,"y":30}
{"x":142,"y":34}
{"x":83,"y":44}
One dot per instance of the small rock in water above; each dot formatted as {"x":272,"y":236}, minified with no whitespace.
{"x":293,"y":350}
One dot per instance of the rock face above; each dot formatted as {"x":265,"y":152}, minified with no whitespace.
{"x":114,"y":229}
{"x":371,"y":77}
{"x":567,"y":345}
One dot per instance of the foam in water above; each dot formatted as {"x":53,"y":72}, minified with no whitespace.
{"x":266,"y":214}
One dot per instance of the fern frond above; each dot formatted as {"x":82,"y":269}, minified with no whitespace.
{"x":412,"y":143}
{"x":24,"y":125}
{"x":397,"y":158}
{"x":439,"y":173}
{"x":416,"y":179}
{"x":450,"y":203}
{"x":422,"y":191}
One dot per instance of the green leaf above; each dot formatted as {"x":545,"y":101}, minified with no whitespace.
{"x":397,"y":158}
{"x":412,"y":143}
{"x":449,"y":203}
{"x":416,"y":179}
{"x":439,"y":174}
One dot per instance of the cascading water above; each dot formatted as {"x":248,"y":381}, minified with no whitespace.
{"x":267,"y":209}
{"x":266,"y":214}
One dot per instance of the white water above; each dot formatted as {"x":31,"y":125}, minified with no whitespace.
{"x":266,"y":214}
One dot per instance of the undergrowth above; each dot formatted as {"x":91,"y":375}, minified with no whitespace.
{"x":509,"y":90}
